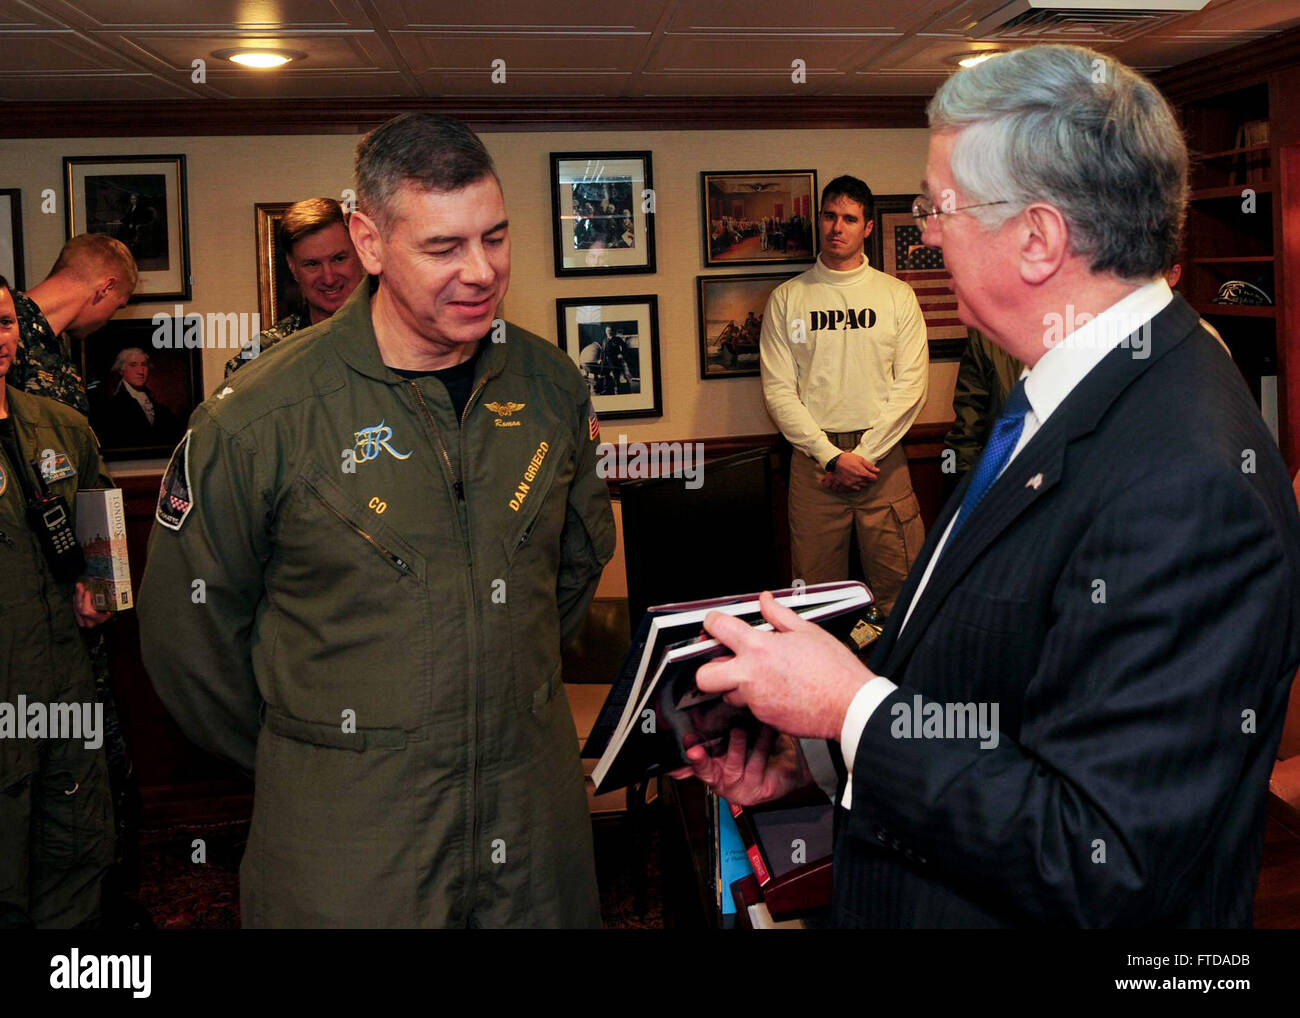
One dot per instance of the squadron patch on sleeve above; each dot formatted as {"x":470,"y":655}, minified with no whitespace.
{"x":174,"y":497}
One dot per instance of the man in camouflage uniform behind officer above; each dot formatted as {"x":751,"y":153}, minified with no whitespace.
{"x":92,"y":279}
{"x":324,"y":264}
{"x":984,"y":377}
{"x":370,"y":547}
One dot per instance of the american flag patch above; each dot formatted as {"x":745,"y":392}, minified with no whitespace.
{"x":593,"y":424}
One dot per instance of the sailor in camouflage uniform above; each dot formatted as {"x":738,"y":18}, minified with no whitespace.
{"x":44,"y":362}
{"x":322,"y":261}
{"x":92,"y":279}
{"x":266,"y":339}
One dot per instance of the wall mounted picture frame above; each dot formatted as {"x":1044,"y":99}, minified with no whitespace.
{"x":278,"y":293}
{"x":602,"y":213}
{"x":729,"y":312}
{"x":614,"y":341}
{"x":11,"y":237}
{"x":899,"y":251}
{"x":758,"y":217}
{"x":142,"y":201}
{"x":172,"y":384}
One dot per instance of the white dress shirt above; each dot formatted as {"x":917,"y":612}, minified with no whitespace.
{"x":1047,"y":384}
{"x":140,"y":397}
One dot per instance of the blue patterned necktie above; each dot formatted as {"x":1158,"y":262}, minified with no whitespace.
{"x":1006,"y":433}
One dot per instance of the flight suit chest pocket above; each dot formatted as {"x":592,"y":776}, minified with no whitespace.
{"x":346,"y":593}
{"x":536,"y":505}
{"x":532,"y":548}
{"x":321,"y":496}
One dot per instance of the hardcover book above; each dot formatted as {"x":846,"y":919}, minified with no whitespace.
{"x":101,"y":532}
{"x":664,"y":712}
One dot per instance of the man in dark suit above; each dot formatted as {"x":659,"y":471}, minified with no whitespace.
{"x":1071,"y":715}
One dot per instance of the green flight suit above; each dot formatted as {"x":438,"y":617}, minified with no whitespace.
{"x":56,"y":826}
{"x":986,"y":375}
{"x":377,"y":632}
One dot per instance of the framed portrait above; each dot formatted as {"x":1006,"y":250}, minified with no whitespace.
{"x":760,"y":217}
{"x":602,"y":213}
{"x":140,"y":200}
{"x":11,"y":237}
{"x":277,"y":291}
{"x":615,"y":343}
{"x":142,"y":385}
{"x":901,"y":253}
{"x":730,"y":310}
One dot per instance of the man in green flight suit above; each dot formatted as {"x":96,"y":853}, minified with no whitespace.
{"x":370,"y":549}
{"x":92,"y":279}
{"x":56,"y":828}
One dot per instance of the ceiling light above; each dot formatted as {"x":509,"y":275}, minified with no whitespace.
{"x":261,"y":59}
{"x":971,"y":59}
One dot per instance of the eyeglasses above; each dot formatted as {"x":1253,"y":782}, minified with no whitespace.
{"x":923,"y":207}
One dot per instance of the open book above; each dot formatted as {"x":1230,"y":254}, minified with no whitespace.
{"x":654,"y":710}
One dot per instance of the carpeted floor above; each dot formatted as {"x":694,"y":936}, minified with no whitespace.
{"x":180,"y":893}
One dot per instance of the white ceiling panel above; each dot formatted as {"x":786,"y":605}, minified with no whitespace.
{"x":522,"y":15}
{"x":572,"y":48}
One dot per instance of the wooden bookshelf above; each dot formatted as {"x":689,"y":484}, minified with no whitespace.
{"x":1234,"y":226}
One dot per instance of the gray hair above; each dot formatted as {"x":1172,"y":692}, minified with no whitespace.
{"x":1071,"y":127}
{"x":119,"y":362}
{"x":429,"y":152}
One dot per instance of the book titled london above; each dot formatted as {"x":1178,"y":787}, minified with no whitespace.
{"x":101,"y":532}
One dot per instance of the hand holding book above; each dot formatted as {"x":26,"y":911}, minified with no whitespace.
{"x":83,"y":607}
{"x":774,"y":768}
{"x":656,"y":711}
{"x":797,"y":677}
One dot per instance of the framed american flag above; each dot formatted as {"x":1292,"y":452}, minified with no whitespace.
{"x":903,"y":255}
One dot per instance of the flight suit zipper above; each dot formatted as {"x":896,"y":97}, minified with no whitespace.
{"x":393,"y":558}
{"x":459,"y":486}
{"x":457,"y":483}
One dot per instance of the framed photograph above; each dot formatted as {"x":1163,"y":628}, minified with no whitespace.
{"x":901,"y":254}
{"x":760,"y":217}
{"x":602,"y":213}
{"x":615,"y":343}
{"x":277,"y":291}
{"x":11,"y":237}
{"x":141,"y":201}
{"x":730,"y":310}
{"x":141,"y":395}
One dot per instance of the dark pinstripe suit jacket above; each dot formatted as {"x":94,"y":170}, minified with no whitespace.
{"x":1139,"y":716}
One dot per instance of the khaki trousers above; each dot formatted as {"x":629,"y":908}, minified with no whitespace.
{"x":885,"y":515}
